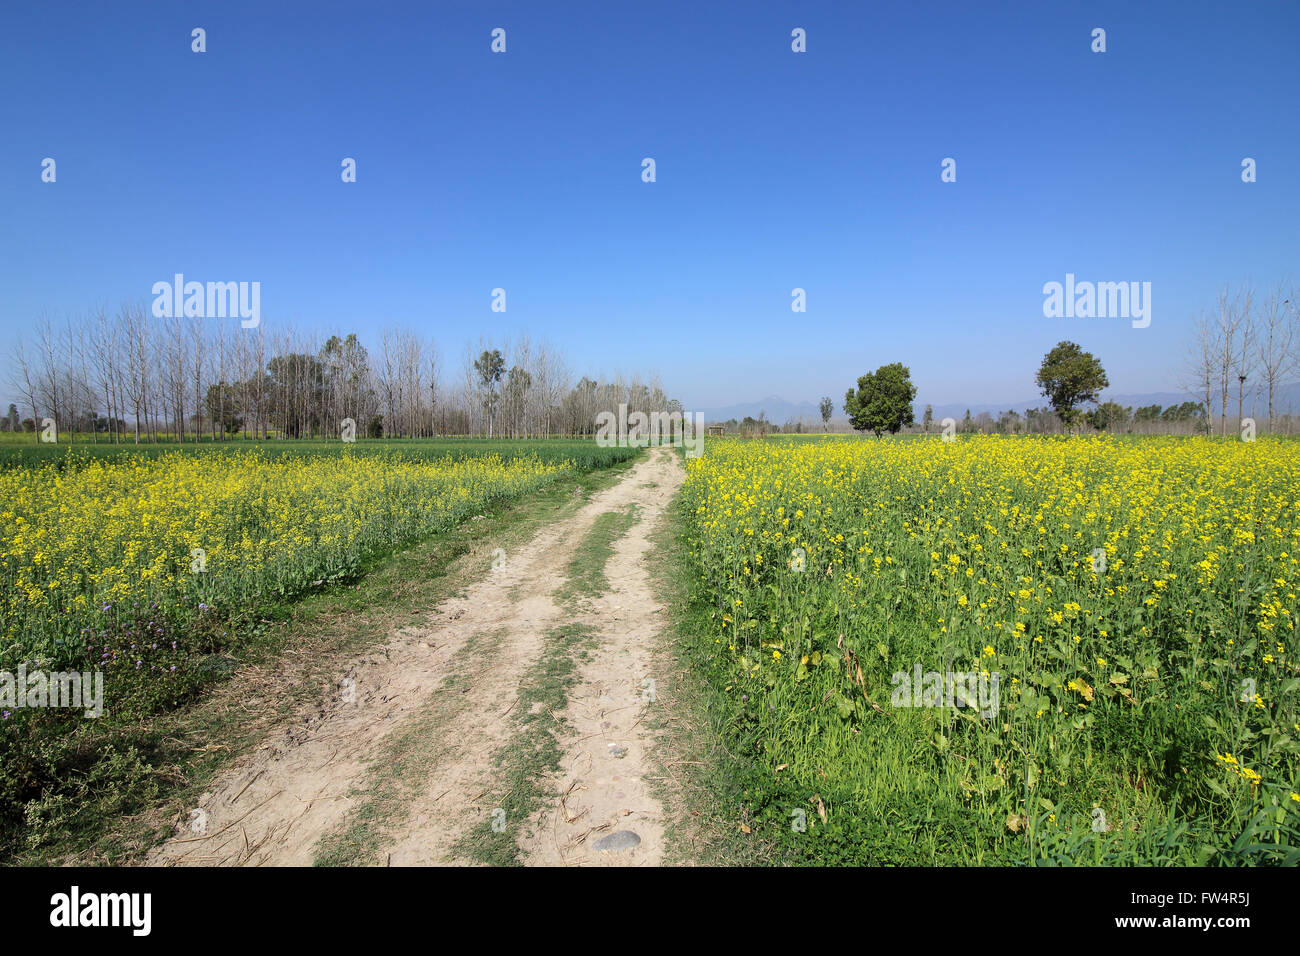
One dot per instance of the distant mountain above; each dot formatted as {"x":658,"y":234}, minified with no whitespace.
{"x":779,"y":411}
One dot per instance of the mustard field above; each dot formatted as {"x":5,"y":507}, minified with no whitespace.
{"x":1005,"y":649}
{"x":188,"y":535}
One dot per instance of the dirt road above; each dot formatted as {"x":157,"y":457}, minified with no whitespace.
{"x":403,"y":764}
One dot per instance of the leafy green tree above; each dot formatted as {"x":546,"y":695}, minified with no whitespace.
{"x":1010,"y":422}
{"x":928,"y":418}
{"x":1108,"y":416}
{"x":883,"y":400}
{"x":827,"y":406}
{"x":1069,"y":376}
{"x":1193,"y":412}
{"x":490,"y":367}
{"x":1184,"y":412}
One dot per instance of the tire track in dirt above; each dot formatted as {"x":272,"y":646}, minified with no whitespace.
{"x":602,"y":791}
{"x":273,"y":806}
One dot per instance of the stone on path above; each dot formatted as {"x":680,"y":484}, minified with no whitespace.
{"x":618,"y":840}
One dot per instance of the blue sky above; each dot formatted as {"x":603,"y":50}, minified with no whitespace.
{"x":775,"y":170}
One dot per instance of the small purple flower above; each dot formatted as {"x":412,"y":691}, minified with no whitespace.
{"x":204,"y":607}
{"x":173,"y":667}
{"x":137,"y":664}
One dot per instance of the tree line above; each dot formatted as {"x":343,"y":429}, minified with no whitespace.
{"x":131,"y":377}
{"x":1069,"y":377}
{"x":1188,"y":417}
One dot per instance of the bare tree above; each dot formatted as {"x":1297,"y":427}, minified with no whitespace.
{"x":1246,"y":357}
{"x":1232,"y":314}
{"x":1276,"y":343}
{"x":1202,"y":365}
{"x":49,"y":359}
{"x":24,"y":380}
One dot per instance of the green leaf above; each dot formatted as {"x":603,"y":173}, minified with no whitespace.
{"x":991,"y":783}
